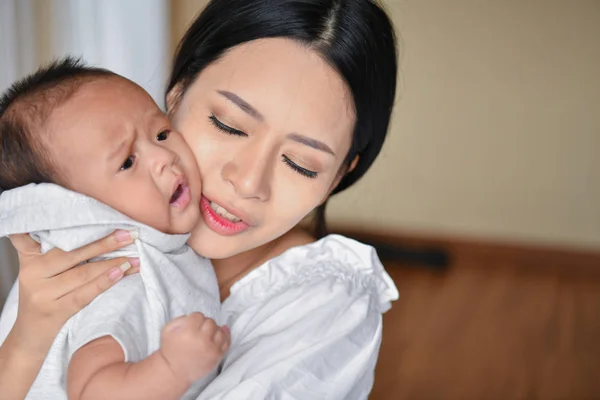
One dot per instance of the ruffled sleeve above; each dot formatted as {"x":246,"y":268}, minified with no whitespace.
{"x":307,"y":325}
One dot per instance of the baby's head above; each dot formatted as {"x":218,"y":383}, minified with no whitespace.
{"x":97,"y":133}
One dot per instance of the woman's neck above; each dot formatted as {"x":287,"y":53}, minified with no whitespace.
{"x":230,"y":270}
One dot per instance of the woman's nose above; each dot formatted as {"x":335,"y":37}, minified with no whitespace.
{"x":250,"y":176}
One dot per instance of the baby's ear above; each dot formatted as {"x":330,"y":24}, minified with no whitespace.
{"x":173,"y":98}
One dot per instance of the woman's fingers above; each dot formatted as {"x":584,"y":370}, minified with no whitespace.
{"x":133,"y":270}
{"x":83,"y":294}
{"x":79,"y":276}
{"x":57,"y":284}
{"x":110,"y":243}
{"x":25,"y":245}
{"x":57,"y":261}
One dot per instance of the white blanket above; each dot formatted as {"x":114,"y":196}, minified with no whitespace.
{"x":173,"y":280}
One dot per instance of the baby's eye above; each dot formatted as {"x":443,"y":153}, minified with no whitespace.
{"x":128,"y":163}
{"x":164,"y":135}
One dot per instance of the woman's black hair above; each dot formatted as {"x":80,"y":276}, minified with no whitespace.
{"x":356,"y":37}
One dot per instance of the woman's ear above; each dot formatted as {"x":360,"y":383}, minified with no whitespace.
{"x":353,"y":164}
{"x":173,"y":98}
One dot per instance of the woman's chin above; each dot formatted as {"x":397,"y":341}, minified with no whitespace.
{"x":210,"y":245}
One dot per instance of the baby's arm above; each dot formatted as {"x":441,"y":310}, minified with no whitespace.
{"x":191,"y":347}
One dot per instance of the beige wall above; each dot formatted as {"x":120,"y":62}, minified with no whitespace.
{"x":182,"y":14}
{"x":496,"y":131}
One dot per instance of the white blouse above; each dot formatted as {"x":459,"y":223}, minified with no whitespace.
{"x":305,"y":325}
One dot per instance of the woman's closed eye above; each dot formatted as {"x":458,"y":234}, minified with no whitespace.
{"x":301,"y":170}
{"x":236,"y":132}
{"x":224,"y":128}
{"x":129,"y":163}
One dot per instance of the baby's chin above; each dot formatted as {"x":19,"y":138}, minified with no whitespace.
{"x":185,"y":223}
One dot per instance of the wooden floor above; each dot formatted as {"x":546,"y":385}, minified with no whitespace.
{"x":501,"y":323}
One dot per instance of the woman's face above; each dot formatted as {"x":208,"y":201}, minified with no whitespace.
{"x":270,"y":124}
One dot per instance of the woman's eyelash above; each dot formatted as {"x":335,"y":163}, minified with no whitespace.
{"x":224,"y":128}
{"x":129,"y":162}
{"x":232,"y":131}
{"x":302,"y":171}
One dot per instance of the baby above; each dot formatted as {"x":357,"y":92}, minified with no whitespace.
{"x":119,"y":165}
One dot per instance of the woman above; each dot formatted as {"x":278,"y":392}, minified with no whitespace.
{"x":284,"y":104}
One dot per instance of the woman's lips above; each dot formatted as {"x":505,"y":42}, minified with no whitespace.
{"x":218,"y":223}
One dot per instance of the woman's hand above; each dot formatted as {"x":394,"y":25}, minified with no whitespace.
{"x":52,"y":288}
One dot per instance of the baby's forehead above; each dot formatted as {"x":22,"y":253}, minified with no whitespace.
{"x":109,"y":102}
{"x":112,"y":92}
{"x":100,"y":113}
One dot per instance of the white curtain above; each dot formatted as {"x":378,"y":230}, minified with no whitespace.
{"x":129,"y":37}
{"x":17,"y":57}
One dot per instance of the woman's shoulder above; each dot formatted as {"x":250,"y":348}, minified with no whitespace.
{"x":312,"y":267}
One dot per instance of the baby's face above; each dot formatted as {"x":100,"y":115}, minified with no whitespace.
{"x":111,"y":142}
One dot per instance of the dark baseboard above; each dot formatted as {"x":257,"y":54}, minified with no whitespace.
{"x":441,"y":252}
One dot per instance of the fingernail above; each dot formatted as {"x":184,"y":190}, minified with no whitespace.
{"x":125,"y":266}
{"x":115,"y":274}
{"x":126,"y":236}
{"x":135,"y":262}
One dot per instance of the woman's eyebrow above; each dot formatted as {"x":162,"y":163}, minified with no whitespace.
{"x":314,"y":143}
{"x":242,"y":104}
{"x":254,"y":113}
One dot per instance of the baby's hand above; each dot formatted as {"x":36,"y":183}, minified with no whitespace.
{"x":193,"y":345}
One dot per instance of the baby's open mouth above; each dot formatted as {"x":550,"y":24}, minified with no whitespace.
{"x":177,"y":194}
{"x":181,"y":196}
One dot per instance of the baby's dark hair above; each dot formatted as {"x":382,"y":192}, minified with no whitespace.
{"x":24,"y":109}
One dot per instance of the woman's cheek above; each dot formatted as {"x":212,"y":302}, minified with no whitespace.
{"x":202,"y":148}
{"x":300,"y":198}
{"x":211,"y":155}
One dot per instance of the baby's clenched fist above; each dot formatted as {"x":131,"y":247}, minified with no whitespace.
{"x":193,"y":346}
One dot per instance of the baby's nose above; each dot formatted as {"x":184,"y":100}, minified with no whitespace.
{"x":162,"y":159}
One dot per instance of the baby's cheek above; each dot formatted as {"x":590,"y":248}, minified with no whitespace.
{"x":148,"y":211}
